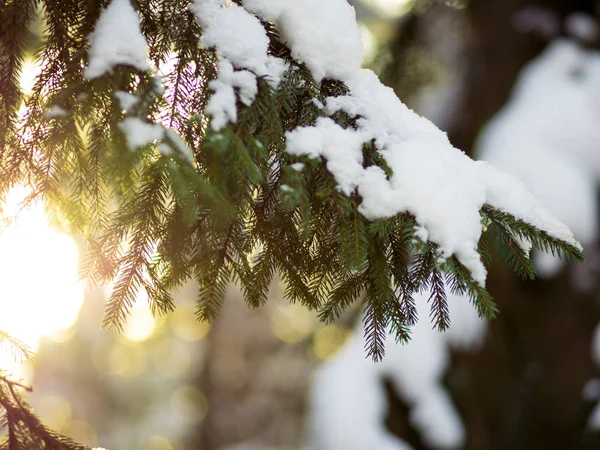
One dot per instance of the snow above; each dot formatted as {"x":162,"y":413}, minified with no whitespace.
{"x":159,"y":87}
{"x":116,"y":40}
{"x":246,"y":48}
{"x":55,"y":112}
{"x":348,"y":401}
{"x":140,"y":133}
{"x":547,"y":132}
{"x":437,"y":420}
{"x":594,"y":419}
{"x":438,"y":184}
{"x":126,"y":100}
{"x":322,"y":34}
{"x":298,"y":167}
{"x":342,"y":148}
{"x":222,"y":104}
{"x":237,"y":35}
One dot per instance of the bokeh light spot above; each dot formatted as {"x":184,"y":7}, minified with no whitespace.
{"x":82,"y":432}
{"x":393,"y":8}
{"x":185,"y":325}
{"x":292,"y":323}
{"x":329,"y":340}
{"x":40,"y":293}
{"x":189,"y":403}
{"x":126,"y":361}
{"x":140,"y":324}
{"x":158,"y":443}
{"x":171,"y":358}
{"x":55,"y":411}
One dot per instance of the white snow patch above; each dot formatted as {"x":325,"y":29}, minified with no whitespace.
{"x":222,"y":104}
{"x":238,"y":37}
{"x":159,"y":87}
{"x":437,"y":420}
{"x":594,"y":419}
{"x":116,"y":39}
{"x":341,"y":147}
{"x":298,"y":167}
{"x":140,"y":133}
{"x":55,"y":112}
{"x":126,"y":100}
{"x":322,"y":34}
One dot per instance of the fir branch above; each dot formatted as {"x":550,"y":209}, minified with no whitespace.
{"x":18,"y":349}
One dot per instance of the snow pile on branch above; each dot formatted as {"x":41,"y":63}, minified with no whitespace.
{"x":438,"y":184}
{"x":126,"y":100}
{"x":348,"y":398}
{"x":222,"y":105}
{"x":116,"y":39}
{"x":140,"y":133}
{"x":435,"y":182}
{"x":321,"y":34}
{"x":548,"y":136}
{"x":241,"y":42}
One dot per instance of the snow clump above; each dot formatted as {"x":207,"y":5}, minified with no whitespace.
{"x":116,"y":39}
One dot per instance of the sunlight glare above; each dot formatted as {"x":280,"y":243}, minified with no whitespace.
{"x":40,"y":293}
{"x":31,"y":69}
{"x":141,"y":324}
{"x":391,"y":7}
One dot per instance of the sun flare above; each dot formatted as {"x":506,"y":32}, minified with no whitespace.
{"x":390,"y":7}
{"x":40,"y":294}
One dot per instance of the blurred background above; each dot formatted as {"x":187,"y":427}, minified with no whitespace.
{"x":514,"y":82}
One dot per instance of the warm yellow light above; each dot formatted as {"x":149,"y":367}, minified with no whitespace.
{"x":40,"y":293}
{"x":31,"y":69}
{"x":141,"y":324}
{"x":292,"y":323}
{"x":185,"y":325}
{"x":158,"y":443}
{"x":391,"y":7}
{"x":329,"y":340}
{"x":188,"y":404}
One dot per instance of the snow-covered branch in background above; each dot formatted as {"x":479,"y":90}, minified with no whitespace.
{"x":548,"y":131}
